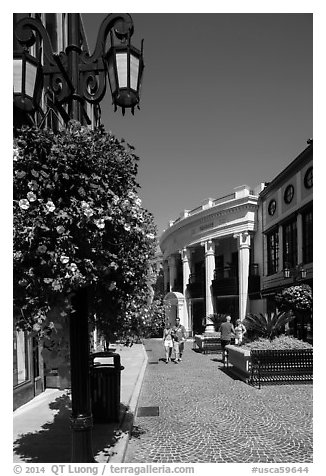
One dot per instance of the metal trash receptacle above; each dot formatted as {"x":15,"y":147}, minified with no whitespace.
{"x":105,"y":386}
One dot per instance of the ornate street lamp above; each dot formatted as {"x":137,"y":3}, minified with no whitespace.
{"x":27,"y":81}
{"x":73,"y":78}
{"x":125,"y":70}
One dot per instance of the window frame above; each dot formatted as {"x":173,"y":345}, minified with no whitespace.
{"x":273,"y":251}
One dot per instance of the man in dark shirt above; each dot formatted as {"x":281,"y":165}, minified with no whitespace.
{"x":179,"y":337}
{"x":227,"y":331}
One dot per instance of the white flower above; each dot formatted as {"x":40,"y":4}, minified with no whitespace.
{"x":73,"y":267}
{"x":88,"y":212}
{"x":127,"y":227}
{"x":31,"y":196}
{"x":100,"y":223}
{"x":16,"y":153}
{"x":151,"y":236}
{"x":24,"y":204}
{"x":42,"y":249}
{"x":64,"y":259}
{"x":138,"y":201}
{"x":56,"y":286}
{"x":112,"y":286}
{"x":60,"y":229}
{"x":33,"y":185}
{"x":50,"y":206}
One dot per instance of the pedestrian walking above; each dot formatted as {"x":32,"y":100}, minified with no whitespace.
{"x":227,"y":331}
{"x":239,"y":331}
{"x":179,"y":338}
{"x":167,"y":342}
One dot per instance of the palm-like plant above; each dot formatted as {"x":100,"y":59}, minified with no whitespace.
{"x":267,"y":325}
{"x":217,"y":319}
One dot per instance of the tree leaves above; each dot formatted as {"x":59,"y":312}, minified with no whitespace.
{"x":79,"y":213}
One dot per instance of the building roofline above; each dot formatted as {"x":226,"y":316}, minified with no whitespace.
{"x":307,"y":151}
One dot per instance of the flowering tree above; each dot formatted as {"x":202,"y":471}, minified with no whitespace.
{"x":297,"y":299}
{"x":148,"y":319}
{"x":78,"y":223}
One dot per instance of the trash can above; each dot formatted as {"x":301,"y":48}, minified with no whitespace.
{"x":105,"y":386}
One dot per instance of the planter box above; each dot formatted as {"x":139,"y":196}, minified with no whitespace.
{"x":241,"y":361}
{"x":271,"y":366}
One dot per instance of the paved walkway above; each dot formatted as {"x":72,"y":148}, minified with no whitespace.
{"x":205,"y":416}
{"x":41,"y":428}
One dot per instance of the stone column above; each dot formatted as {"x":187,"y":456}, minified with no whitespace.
{"x":209,"y":276}
{"x":244,"y":257}
{"x":173,"y":271}
{"x":186,"y":268}
{"x":165,"y":275}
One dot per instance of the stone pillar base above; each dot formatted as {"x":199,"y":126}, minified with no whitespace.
{"x":209,"y":328}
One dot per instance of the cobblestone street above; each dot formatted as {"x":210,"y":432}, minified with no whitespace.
{"x":206,"y":416}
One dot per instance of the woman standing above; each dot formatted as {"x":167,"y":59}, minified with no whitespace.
{"x":239,"y":331}
{"x":167,"y":342}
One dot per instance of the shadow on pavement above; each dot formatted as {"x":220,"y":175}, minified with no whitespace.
{"x":227,"y":371}
{"x":52,"y":443}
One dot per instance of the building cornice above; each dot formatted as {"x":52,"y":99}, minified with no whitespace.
{"x":214,"y":212}
{"x":295,"y":165}
{"x":218,"y":222}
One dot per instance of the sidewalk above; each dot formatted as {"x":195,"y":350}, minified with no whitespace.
{"x":41,"y":427}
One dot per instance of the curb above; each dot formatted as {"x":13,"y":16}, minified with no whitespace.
{"x":121,"y":446}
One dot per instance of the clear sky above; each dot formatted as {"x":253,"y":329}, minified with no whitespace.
{"x":227,"y":100}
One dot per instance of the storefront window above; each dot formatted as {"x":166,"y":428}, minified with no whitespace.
{"x":20,"y":358}
{"x":307,"y":238}
{"x":290,"y":253}
{"x":272,"y":252}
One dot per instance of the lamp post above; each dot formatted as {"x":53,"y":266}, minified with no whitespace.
{"x":297,"y":273}
{"x":74,"y":78}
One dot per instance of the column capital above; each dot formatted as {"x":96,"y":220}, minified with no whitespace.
{"x":185,"y":254}
{"x":209,"y":247}
{"x":243,"y":239}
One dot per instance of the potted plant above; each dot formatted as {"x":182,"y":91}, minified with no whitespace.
{"x":265,"y":331}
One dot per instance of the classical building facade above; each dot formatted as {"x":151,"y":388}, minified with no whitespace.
{"x":234,"y":253}
{"x":212,"y":260}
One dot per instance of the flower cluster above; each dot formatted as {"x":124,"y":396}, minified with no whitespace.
{"x":78,"y":222}
{"x":295,"y":298}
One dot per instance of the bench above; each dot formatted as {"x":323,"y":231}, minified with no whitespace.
{"x":281,"y":366}
{"x":211,"y":344}
{"x":207,"y":344}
